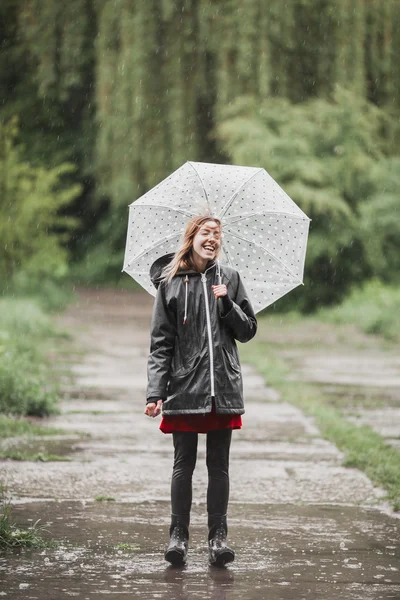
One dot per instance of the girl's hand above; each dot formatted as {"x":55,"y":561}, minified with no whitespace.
{"x":219,"y":290}
{"x":152,"y":409}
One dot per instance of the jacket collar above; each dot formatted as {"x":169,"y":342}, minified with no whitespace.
{"x":210,"y":265}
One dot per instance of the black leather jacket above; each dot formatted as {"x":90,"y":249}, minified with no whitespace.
{"x":191,"y":361}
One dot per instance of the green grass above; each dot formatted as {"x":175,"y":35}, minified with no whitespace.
{"x":127,"y":547}
{"x":49,"y":295}
{"x":20,"y":427}
{"x":12,"y":536}
{"x":27,"y":384}
{"x":374,"y":308}
{"x":362,"y":447}
{"x":102,"y":498}
{"x":26,"y":455}
{"x":13,"y":427}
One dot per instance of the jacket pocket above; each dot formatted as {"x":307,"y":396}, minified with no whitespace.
{"x":231,"y":363}
{"x":185,"y":382}
{"x":183,"y":364}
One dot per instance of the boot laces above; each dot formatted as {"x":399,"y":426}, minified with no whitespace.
{"x":178,"y":532}
{"x":220,"y":534}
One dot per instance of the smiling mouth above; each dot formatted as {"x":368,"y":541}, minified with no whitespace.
{"x":209,"y":248}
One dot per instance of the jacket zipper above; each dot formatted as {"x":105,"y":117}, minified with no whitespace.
{"x":210,"y":345}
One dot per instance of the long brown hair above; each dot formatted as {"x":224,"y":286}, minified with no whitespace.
{"x":183,"y":258}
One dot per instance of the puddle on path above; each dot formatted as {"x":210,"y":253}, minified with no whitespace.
{"x":283,"y":552}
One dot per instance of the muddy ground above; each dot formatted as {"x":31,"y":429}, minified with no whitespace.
{"x":302,"y":525}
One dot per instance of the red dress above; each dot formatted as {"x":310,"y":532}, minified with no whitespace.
{"x":200,"y":423}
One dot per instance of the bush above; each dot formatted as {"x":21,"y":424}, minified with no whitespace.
{"x":33,"y":230}
{"x":374,"y":307}
{"x":26,"y":387}
{"x":49,"y":294}
{"x":330,"y":157}
{"x":380,"y":224}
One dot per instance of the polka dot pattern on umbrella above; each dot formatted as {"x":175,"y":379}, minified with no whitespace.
{"x":282,"y":236}
{"x":150,"y":224}
{"x":263,"y":275}
{"x":182,"y":190}
{"x":142,"y":263}
{"x":259,"y":196}
{"x":264,"y":231}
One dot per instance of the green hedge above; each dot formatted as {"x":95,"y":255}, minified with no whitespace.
{"x":27,"y":386}
{"x":374,"y":307}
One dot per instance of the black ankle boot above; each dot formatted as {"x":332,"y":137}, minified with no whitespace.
{"x":176,"y":552}
{"x":219,"y":552}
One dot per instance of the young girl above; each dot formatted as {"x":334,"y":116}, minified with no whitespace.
{"x":194,"y":374}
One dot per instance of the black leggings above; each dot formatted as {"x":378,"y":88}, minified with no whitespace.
{"x":185,"y":445}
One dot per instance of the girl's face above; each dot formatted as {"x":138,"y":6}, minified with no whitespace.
{"x":207,"y":241}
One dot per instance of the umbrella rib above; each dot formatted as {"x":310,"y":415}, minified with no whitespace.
{"x":263,"y":214}
{"x":228,"y":255}
{"x":203,"y":186}
{"x":150,"y":248}
{"x":268,"y":252}
{"x":232,"y":198}
{"x":187,"y":213}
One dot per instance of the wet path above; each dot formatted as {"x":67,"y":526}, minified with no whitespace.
{"x":302,"y":525}
{"x":360,"y":373}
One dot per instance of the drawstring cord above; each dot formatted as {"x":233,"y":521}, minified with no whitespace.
{"x":186,"y":299}
{"x":186,"y":281}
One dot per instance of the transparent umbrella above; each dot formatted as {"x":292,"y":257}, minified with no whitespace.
{"x":264,"y":231}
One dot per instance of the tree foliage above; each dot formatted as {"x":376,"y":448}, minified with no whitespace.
{"x":137,"y":87}
{"x":380,"y":221}
{"x":331,"y":159}
{"x":32,"y":229}
{"x":128,"y":91}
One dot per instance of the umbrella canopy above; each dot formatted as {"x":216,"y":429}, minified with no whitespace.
{"x":264,"y":231}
